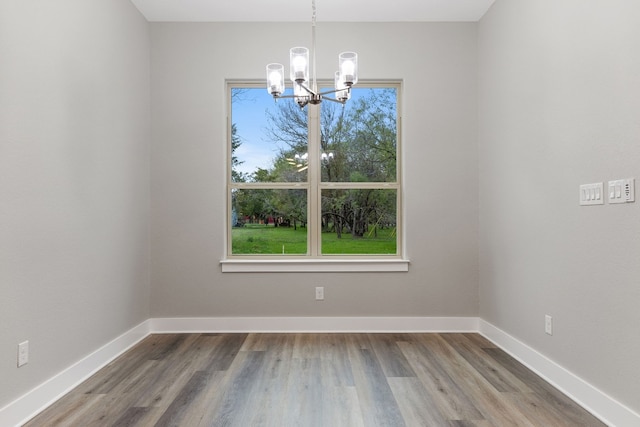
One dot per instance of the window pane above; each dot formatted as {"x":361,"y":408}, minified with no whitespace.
{"x":359,"y":140}
{"x":268,"y":139}
{"x":269,"y":222}
{"x":359,"y":221}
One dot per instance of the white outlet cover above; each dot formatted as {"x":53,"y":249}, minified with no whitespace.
{"x":548,"y":325}
{"x":23,"y":353}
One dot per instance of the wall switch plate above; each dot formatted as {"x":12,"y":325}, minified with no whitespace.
{"x":622,"y":191}
{"x":592,"y":194}
{"x":319,"y":293}
{"x":548,"y":324}
{"x":23,"y":353}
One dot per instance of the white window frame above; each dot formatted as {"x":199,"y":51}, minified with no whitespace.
{"x":314,"y":261}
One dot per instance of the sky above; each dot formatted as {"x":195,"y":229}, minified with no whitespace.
{"x":249,"y":116}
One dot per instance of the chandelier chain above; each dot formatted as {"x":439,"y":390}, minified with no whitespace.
{"x":313,"y":44}
{"x":313,"y":12}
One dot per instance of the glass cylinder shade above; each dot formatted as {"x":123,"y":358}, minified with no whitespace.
{"x":275,"y":79}
{"x":342,"y":94}
{"x":348,"y":63}
{"x":299,"y":64}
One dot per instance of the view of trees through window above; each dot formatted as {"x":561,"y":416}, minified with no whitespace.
{"x":322,"y":180}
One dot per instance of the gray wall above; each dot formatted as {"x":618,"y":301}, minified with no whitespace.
{"x":559,"y":103}
{"x":74,"y":182}
{"x":190,"y":63}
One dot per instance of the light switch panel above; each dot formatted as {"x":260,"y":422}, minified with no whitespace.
{"x":621,"y":191}
{"x":592,"y":194}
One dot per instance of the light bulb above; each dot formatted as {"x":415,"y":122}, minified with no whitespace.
{"x":299,"y":63}
{"x":299,"y":66}
{"x":347,"y":68}
{"x":274,"y":79}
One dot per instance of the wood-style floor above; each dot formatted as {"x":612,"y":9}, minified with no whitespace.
{"x":326,"y":380}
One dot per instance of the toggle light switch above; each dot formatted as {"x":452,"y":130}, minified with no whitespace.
{"x":622,"y":191}
{"x":591,"y":194}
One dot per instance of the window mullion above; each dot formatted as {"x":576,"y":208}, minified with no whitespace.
{"x":314,"y":223}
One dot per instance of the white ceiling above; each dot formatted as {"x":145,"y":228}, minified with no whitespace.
{"x":300,"y":10}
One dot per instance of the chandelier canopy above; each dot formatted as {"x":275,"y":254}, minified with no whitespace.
{"x":305,"y":91}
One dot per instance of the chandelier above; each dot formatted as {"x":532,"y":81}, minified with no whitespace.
{"x":305,"y":91}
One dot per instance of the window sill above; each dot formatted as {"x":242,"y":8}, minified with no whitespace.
{"x":313,"y":265}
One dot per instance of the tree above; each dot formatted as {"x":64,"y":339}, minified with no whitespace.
{"x":359,"y":143}
{"x":236,"y":175}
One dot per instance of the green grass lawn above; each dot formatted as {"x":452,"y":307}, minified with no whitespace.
{"x":262,"y":239}
{"x":253,"y":239}
{"x":383,"y":244}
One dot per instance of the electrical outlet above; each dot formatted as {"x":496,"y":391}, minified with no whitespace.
{"x":23,"y":353}
{"x":548,"y":324}
{"x":319,"y":293}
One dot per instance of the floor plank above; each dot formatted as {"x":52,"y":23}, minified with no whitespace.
{"x":500,"y":379}
{"x":416,"y":406}
{"x":554,"y":400}
{"x":178,"y":409}
{"x":239,"y":398}
{"x":351,"y":380}
{"x":378,"y":404}
{"x":136,"y":416}
{"x":447,"y":395}
{"x":393,"y":362}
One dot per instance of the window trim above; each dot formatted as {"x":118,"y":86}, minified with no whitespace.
{"x":314,"y":261}
{"x":313,"y":265}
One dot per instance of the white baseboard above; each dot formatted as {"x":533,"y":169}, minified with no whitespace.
{"x":27,"y":406}
{"x":598,"y":403}
{"x":315,"y":324}
{"x":607,"y":409}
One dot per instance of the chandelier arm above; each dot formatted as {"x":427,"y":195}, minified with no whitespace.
{"x":326,"y":98}
{"x":311,"y":92}
{"x":347,"y":89}
{"x":276,"y":97}
{"x":283,"y":96}
{"x":315,"y":98}
{"x":301,"y":102}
